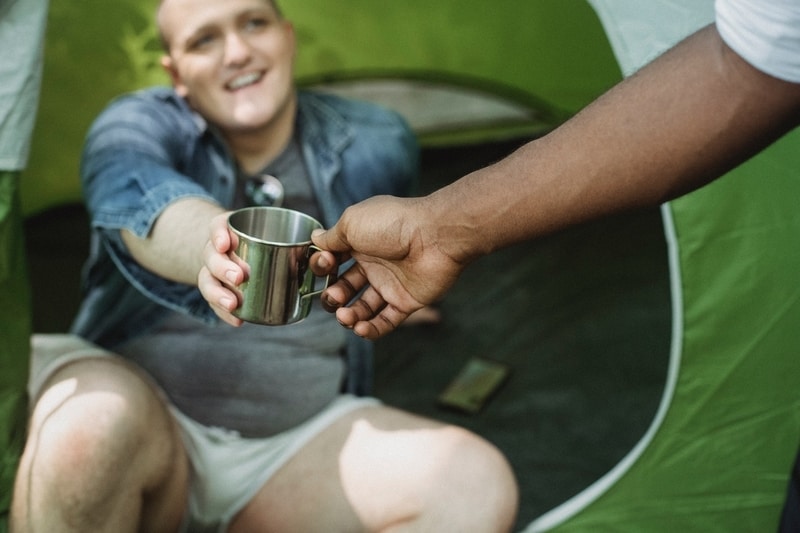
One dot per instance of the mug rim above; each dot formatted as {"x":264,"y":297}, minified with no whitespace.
{"x":259,"y":240}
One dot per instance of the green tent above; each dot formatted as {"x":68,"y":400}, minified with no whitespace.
{"x":512,"y":67}
{"x":718,"y":452}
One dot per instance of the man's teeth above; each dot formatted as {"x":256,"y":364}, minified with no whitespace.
{"x":247,"y":79}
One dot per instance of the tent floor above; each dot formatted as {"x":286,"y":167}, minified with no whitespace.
{"x":582,"y":318}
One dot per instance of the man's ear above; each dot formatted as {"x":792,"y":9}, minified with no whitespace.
{"x":169,"y":67}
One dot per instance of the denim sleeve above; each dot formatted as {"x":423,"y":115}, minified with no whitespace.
{"x":129,"y":174}
{"x":130,"y":166}
{"x":383,"y":158}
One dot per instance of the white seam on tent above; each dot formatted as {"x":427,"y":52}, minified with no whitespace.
{"x":583,"y":499}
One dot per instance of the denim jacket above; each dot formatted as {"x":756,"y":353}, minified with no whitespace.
{"x":149,"y":149}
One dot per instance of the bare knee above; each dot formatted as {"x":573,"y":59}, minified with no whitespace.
{"x":100,"y":438}
{"x":429,"y":477}
{"x":473,"y":480}
{"x":96,"y":415}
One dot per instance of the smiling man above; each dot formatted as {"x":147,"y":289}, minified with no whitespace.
{"x":161,"y":416}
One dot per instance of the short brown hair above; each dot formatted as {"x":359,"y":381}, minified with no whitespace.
{"x":163,"y":39}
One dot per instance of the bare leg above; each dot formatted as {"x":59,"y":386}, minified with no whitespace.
{"x":381,"y":469}
{"x":103,"y":454}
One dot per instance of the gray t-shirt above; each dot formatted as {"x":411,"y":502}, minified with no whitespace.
{"x":258,"y":380}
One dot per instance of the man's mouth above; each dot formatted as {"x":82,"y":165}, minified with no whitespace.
{"x":244,"y":80}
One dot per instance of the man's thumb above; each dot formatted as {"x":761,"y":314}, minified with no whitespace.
{"x":329,"y":240}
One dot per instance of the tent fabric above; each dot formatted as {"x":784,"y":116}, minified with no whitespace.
{"x":524,"y":52}
{"x":719,"y":451}
{"x":547,"y":56}
{"x":15,"y":321}
{"x":705,"y":463}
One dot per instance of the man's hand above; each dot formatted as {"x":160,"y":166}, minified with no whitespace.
{"x":221,"y":274}
{"x":399,"y":265}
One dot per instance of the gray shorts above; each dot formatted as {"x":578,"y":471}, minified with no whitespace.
{"x":227,"y":469}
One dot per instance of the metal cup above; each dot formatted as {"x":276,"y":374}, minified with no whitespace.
{"x":276,"y":245}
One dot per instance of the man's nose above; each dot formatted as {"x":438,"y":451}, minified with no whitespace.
{"x":237,"y":49}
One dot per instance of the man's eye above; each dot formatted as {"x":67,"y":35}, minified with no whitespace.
{"x":201,"y":41}
{"x":256,"y":23}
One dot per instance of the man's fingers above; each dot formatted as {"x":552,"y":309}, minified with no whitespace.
{"x":384,"y":323}
{"x":222,"y":300}
{"x":370,"y":316}
{"x":349,"y":284}
{"x":356,"y":312}
{"x":222,"y":267}
{"x":367,"y":306}
{"x":323,"y":263}
{"x":220,"y":235}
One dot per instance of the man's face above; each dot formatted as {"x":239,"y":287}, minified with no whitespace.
{"x":231,"y":59}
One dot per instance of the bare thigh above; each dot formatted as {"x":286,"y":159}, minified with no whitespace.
{"x":380,"y":468}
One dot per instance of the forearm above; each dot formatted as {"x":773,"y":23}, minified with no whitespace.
{"x":174,"y":248}
{"x":682,"y":121}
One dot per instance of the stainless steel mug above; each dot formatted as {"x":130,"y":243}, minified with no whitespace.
{"x":276,"y":245}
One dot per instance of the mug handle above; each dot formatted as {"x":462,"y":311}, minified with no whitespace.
{"x":330,"y":279}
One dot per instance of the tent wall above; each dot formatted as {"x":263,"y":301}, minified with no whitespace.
{"x":550,"y":55}
{"x":720,"y":457}
{"x":548,"y":50}
{"x":734,"y":250}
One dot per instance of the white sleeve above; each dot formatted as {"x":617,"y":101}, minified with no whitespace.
{"x":766,"y":33}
